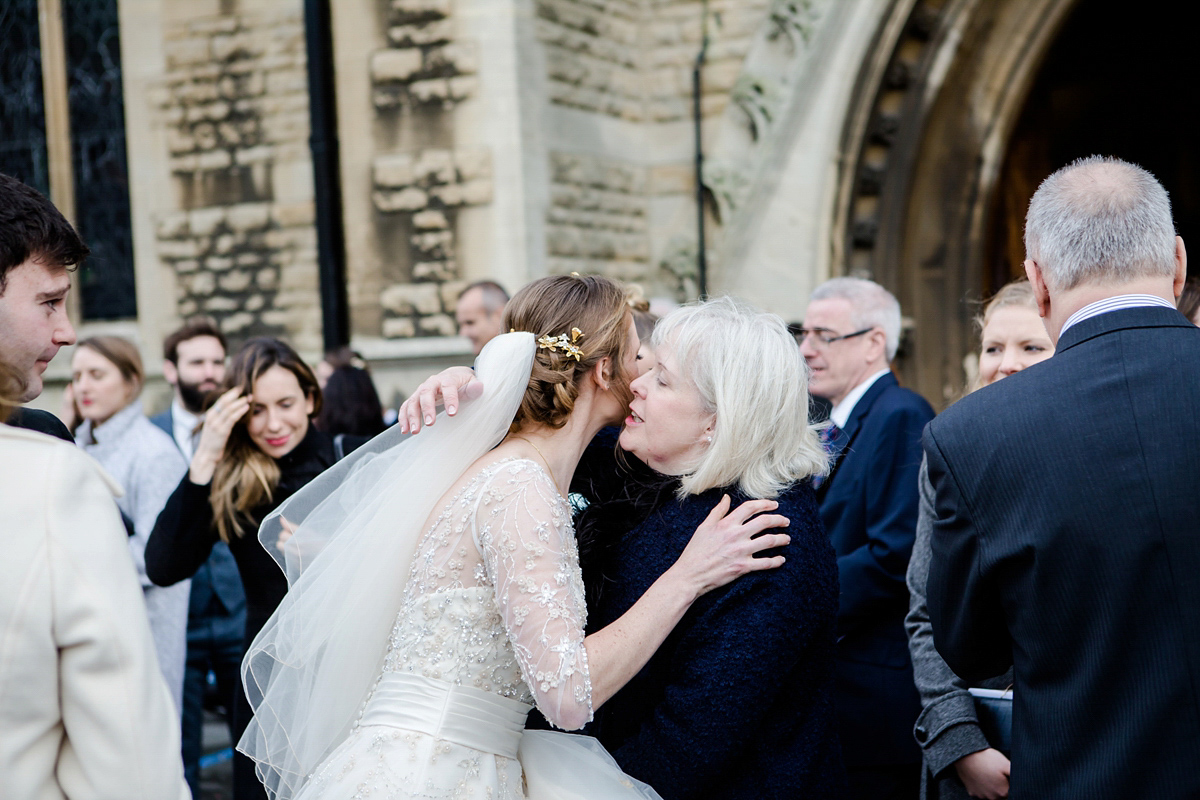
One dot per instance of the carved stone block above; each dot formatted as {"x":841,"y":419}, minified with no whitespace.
{"x":425,"y":271}
{"x":430,"y":219}
{"x":395,"y":65}
{"x":411,"y":298}
{"x":434,"y":32}
{"x":409,"y":199}
{"x":437,"y":325}
{"x":399,"y":328}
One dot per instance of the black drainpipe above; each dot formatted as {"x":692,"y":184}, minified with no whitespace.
{"x":331,"y":251}
{"x":697,"y":121}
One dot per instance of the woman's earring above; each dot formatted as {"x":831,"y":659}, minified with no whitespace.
{"x":708,"y":439}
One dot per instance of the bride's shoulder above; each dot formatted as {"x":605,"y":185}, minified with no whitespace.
{"x":506,"y":469}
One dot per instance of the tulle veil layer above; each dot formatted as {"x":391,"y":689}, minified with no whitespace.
{"x":310,"y":670}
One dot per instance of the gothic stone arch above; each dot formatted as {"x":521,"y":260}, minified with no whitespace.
{"x":923,"y":144}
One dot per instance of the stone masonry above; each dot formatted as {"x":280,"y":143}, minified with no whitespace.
{"x":597,"y":217}
{"x":425,"y":71}
{"x":622,"y":211}
{"x":633,"y":60}
{"x":235,"y":101}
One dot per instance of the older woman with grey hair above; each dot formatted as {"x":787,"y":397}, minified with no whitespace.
{"x":737,"y":703}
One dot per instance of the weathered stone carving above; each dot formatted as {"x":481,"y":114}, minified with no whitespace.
{"x":597,"y":217}
{"x":423,"y":65}
{"x":235,"y":105}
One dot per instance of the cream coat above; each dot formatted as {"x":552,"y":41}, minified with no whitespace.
{"x":84,"y":710}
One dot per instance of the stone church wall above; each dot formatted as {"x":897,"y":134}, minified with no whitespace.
{"x":620,"y":129}
{"x":234,"y":102}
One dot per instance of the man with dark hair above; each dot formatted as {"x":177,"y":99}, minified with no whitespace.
{"x":480,"y":312}
{"x":38,"y":247}
{"x":84,"y":711}
{"x":194,"y":363}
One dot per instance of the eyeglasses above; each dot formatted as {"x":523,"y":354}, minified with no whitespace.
{"x":823,"y":337}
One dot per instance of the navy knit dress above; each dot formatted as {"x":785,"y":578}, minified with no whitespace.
{"x":737,"y":703}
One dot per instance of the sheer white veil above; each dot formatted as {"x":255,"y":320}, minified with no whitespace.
{"x":313,"y":665}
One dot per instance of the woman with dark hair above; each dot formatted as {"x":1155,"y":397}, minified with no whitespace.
{"x":351,"y":405}
{"x":106,"y":381}
{"x":257,"y":447}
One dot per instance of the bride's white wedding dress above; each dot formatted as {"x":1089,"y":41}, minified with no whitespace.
{"x":486,"y":615}
{"x":494,"y":606}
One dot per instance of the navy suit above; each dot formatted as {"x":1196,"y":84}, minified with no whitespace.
{"x":869,"y":504}
{"x":1066,"y":544}
{"x":216,"y":627}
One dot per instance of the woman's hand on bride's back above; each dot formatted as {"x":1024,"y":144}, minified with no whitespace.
{"x":724,"y":546}
{"x":446,"y":388}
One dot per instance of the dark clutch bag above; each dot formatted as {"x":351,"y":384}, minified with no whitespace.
{"x":994,"y":710}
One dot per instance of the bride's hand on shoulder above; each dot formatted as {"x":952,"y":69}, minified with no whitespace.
{"x":723,"y":547}
{"x":447,"y":388}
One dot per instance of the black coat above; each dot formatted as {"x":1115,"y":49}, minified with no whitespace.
{"x":185,"y":532}
{"x":184,"y":536}
{"x":217,"y":606}
{"x":737,"y":703}
{"x":32,"y":419}
{"x":1067,"y":544}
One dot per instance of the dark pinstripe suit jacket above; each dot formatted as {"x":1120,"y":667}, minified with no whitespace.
{"x":1067,"y":544}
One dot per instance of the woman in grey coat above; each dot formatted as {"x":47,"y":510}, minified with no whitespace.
{"x":106,"y":379}
{"x":959,"y":761}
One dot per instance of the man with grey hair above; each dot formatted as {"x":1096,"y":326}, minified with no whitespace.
{"x":480,"y":312}
{"x":869,"y":504}
{"x":1066,"y":539}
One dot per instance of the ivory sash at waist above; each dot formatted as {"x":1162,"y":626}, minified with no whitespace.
{"x":460,"y":714}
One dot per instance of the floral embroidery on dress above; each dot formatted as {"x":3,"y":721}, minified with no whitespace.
{"x":494,"y":600}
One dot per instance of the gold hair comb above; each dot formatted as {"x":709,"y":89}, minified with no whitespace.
{"x":563,"y":344}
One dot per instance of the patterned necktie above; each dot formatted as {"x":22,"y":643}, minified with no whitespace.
{"x":829,"y":437}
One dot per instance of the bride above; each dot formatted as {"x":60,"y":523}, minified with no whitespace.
{"x":436,"y":594}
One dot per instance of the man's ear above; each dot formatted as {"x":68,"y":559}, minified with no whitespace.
{"x":1037,"y":280}
{"x":170,"y":373}
{"x":878,"y":343}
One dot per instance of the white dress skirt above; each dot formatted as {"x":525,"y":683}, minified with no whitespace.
{"x":492,"y":623}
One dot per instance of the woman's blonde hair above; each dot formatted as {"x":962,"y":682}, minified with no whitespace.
{"x":553,"y":306}
{"x":124,"y":355}
{"x":749,"y":373}
{"x":246,"y":477}
{"x":1013,"y":293}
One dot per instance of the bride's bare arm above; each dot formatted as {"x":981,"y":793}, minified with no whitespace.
{"x":721,"y":550}
{"x":523,"y":532}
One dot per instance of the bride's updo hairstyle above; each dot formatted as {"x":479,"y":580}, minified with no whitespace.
{"x":552,"y":306}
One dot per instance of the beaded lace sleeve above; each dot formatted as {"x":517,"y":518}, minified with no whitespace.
{"x":523,"y":530}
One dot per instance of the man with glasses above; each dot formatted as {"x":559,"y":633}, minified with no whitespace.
{"x":869,"y":503}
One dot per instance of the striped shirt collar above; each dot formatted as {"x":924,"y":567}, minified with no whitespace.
{"x":1116,"y":303}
